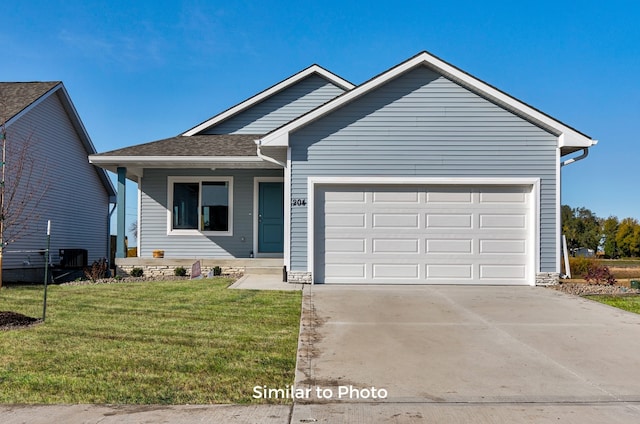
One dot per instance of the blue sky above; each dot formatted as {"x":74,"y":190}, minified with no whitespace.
{"x":139,"y":71}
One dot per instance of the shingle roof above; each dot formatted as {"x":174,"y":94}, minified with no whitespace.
{"x":17,"y":96}
{"x":195,"y":145}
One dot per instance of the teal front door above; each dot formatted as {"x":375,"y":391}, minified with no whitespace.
{"x":270,"y":217}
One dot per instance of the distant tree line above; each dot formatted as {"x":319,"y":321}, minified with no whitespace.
{"x":616,"y":238}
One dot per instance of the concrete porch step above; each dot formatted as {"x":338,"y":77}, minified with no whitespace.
{"x":263,"y":270}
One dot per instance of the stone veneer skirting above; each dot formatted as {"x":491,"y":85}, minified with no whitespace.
{"x":165,"y":267}
{"x":299,"y":277}
{"x":169,"y":270}
{"x":547,"y":278}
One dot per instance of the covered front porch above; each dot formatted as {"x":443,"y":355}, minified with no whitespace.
{"x":209,"y":197}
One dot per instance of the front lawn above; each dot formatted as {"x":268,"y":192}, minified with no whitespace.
{"x":629,"y":303}
{"x":178,"y":342}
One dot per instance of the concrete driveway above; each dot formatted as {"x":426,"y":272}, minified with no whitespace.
{"x":510,"y":350}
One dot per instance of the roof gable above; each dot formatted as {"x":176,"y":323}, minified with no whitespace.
{"x":568,"y":137}
{"x":269,"y":93}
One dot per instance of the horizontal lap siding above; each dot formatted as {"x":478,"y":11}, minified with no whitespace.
{"x":74,"y":198}
{"x":280,"y":108}
{"x":423,"y":125}
{"x":153,"y":229}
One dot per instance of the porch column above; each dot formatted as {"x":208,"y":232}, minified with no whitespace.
{"x":121,"y":228}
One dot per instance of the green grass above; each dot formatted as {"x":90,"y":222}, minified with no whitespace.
{"x":184,"y":342}
{"x":629,"y":303}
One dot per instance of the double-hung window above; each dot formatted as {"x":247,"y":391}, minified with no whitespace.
{"x":200,"y":205}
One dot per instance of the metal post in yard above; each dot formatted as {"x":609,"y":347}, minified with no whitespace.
{"x":46,"y":270}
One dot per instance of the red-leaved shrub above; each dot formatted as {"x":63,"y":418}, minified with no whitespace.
{"x":597,"y":274}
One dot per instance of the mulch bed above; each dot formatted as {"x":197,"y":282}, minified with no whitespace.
{"x":13,"y":320}
{"x":580,"y":289}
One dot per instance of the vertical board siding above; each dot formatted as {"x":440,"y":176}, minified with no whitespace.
{"x":280,"y":108}
{"x":72,"y":194}
{"x":153,"y":228}
{"x":423,"y":125}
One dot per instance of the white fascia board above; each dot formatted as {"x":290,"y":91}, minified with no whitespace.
{"x":313,"y":69}
{"x":142,"y":160}
{"x":571,"y":138}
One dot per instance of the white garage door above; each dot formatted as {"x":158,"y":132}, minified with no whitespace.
{"x":423,"y":235}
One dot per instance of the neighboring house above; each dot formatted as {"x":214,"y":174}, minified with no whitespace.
{"x":423,"y":174}
{"x":40,"y":119}
{"x":584,"y":252}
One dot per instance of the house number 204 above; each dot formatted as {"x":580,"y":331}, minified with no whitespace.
{"x":298,"y":202}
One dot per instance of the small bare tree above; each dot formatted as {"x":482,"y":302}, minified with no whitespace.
{"x":20,"y":190}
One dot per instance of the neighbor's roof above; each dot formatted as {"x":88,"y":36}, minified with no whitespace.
{"x":16,"y":97}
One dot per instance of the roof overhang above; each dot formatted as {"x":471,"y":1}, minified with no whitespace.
{"x":569,"y":139}
{"x":136,"y":165}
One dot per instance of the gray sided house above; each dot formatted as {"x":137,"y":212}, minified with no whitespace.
{"x":421,"y":175}
{"x":47,"y":146}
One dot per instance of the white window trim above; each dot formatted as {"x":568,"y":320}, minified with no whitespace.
{"x":197,"y":179}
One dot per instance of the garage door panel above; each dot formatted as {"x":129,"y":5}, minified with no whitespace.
{"x":450,"y":271}
{"x":345,"y":245}
{"x":344,"y":196}
{"x":505,"y":247}
{"x":449,"y":246}
{"x":422,"y":234}
{"x":345,"y":270}
{"x":395,"y":197}
{"x":446,"y":196}
{"x":507,"y":272}
{"x":449,"y":220}
{"x":503,"y":196}
{"x":503,"y":221}
{"x":387,"y":220}
{"x":395,"y":246}
{"x":395,"y":271}
{"x":334,"y":220}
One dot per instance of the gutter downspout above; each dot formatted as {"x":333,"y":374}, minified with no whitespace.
{"x":585,"y":153}
{"x":267,"y":158}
